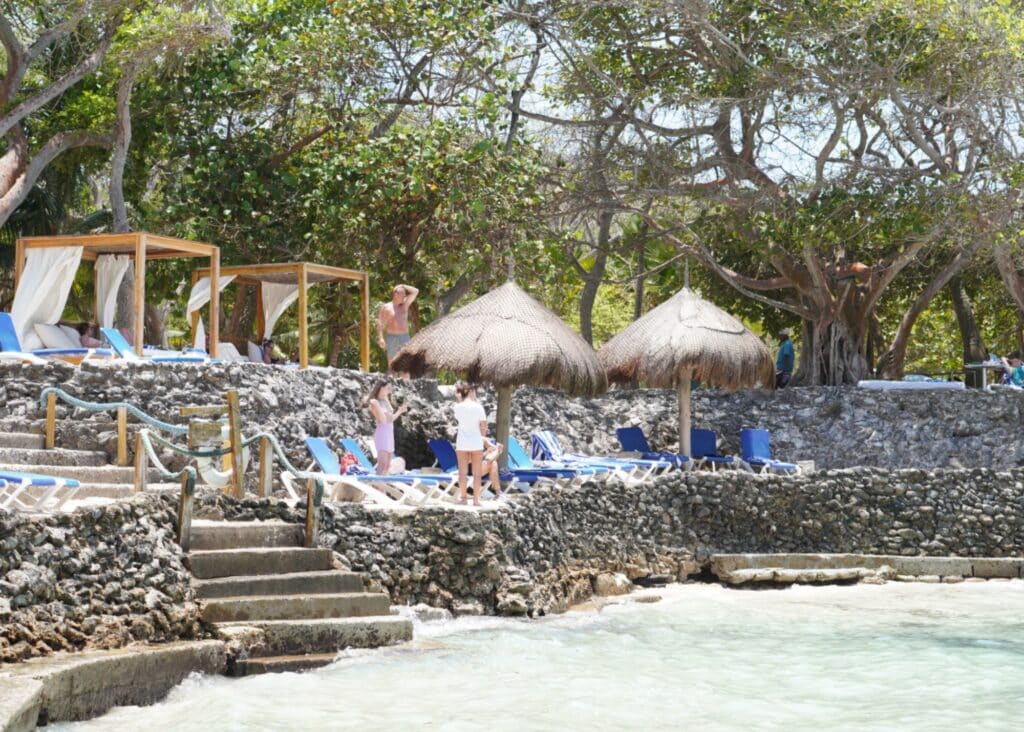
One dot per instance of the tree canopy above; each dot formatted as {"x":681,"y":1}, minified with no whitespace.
{"x":848,"y":168}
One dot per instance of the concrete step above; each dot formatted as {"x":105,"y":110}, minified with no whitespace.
{"x":210,"y":535}
{"x":57,"y":456}
{"x":295,"y":607}
{"x":23,"y":440}
{"x":276,"y":560}
{"x":267,"y":638}
{"x":280,"y":664}
{"x":297,"y":583}
{"x":84,"y":474}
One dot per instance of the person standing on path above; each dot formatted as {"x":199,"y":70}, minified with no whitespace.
{"x":469,"y":442}
{"x":393,"y":321}
{"x":384,"y":416}
{"x":785,"y":360}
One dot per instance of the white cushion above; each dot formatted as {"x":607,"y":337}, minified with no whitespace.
{"x":228,"y":352}
{"x":71,"y":333}
{"x":255,"y":354}
{"x":31,"y":342}
{"x":53,"y":337}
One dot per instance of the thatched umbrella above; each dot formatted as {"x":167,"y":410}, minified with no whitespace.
{"x":508,"y":339}
{"x":687,"y":338}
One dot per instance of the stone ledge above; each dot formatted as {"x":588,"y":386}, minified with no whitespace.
{"x":85,"y":685}
{"x":821,"y":568}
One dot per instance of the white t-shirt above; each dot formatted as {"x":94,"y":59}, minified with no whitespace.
{"x":469,"y":414}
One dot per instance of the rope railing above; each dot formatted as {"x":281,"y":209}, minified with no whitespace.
{"x":145,"y":454}
{"x":131,"y":409}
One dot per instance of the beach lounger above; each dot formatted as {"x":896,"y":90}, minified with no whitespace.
{"x":124,"y":350}
{"x":633,"y":440}
{"x":407,"y":484}
{"x":756,"y":448}
{"x":544,"y":446}
{"x":704,"y":446}
{"x":11,"y":350}
{"x":448,"y":462}
{"x":519,"y":459}
{"x":15,"y":493}
{"x":325,"y":459}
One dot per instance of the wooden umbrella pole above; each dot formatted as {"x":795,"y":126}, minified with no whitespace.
{"x":504,"y":422}
{"x":684,"y":414}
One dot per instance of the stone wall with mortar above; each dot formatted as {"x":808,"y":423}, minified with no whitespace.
{"x":97,"y":578}
{"x":834,"y":427}
{"x":549,"y":548}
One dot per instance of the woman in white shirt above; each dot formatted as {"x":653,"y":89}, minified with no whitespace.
{"x":469,"y":442}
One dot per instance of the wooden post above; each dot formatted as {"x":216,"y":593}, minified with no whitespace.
{"x":122,"y":436}
{"x":51,"y":420}
{"x":303,"y":319}
{"x":266,"y":468}
{"x":235,"y":435}
{"x":194,"y":319}
{"x":141,"y":464}
{"x":139,"y":310}
{"x":19,"y":261}
{"x":504,"y":423}
{"x":310,"y":513}
{"x":684,"y":414}
{"x":214,"y":302}
{"x":364,"y":322}
{"x":261,"y":315}
{"x":185,"y":515}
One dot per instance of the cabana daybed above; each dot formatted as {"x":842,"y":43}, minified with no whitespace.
{"x":278,"y":286}
{"x":45,"y":267}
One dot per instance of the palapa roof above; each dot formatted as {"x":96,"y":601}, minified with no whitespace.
{"x":505,"y":338}
{"x":688,"y":335}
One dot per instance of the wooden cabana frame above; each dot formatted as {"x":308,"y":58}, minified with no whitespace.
{"x":144,"y":246}
{"x":302,"y":274}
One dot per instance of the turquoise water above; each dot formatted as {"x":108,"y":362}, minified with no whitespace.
{"x":891,"y":657}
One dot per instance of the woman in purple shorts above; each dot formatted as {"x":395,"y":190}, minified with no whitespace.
{"x":379,"y":404}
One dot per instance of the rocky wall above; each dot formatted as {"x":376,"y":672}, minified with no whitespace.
{"x":550,"y":548}
{"x":835,"y":427}
{"x":97,"y":578}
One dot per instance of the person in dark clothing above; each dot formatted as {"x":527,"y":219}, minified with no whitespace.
{"x":785,"y":360}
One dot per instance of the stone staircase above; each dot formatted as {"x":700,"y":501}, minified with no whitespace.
{"x":22,"y":450}
{"x":283,"y":607}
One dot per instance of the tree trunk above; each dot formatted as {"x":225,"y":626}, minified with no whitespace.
{"x":891,"y":363}
{"x":970,"y":334}
{"x":592,"y":281}
{"x":831,"y":355}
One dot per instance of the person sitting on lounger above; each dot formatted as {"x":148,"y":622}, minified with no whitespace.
{"x":379,"y":404}
{"x":271,"y":353}
{"x":489,"y":464}
{"x":88,"y":335}
{"x":1014,"y":371}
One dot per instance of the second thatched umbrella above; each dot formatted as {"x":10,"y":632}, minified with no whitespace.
{"x":508,"y":339}
{"x":687,"y":338}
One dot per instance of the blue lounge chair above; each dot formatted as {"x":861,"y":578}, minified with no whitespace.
{"x":15,"y":490}
{"x":325,"y":459}
{"x":407,"y":483}
{"x":632,"y":439}
{"x":124,"y":349}
{"x":704,"y":446}
{"x":448,"y":462}
{"x":544,"y":446}
{"x":519,"y":459}
{"x":10,"y":346}
{"x":757,"y":452}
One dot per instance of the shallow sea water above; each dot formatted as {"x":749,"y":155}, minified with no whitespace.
{"x":890,"y":657}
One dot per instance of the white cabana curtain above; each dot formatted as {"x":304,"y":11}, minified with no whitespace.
{"x":110,"y":272}
{"x":276,"y":299}
{"x":44,"y":287}
{"x":199,"y":296}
